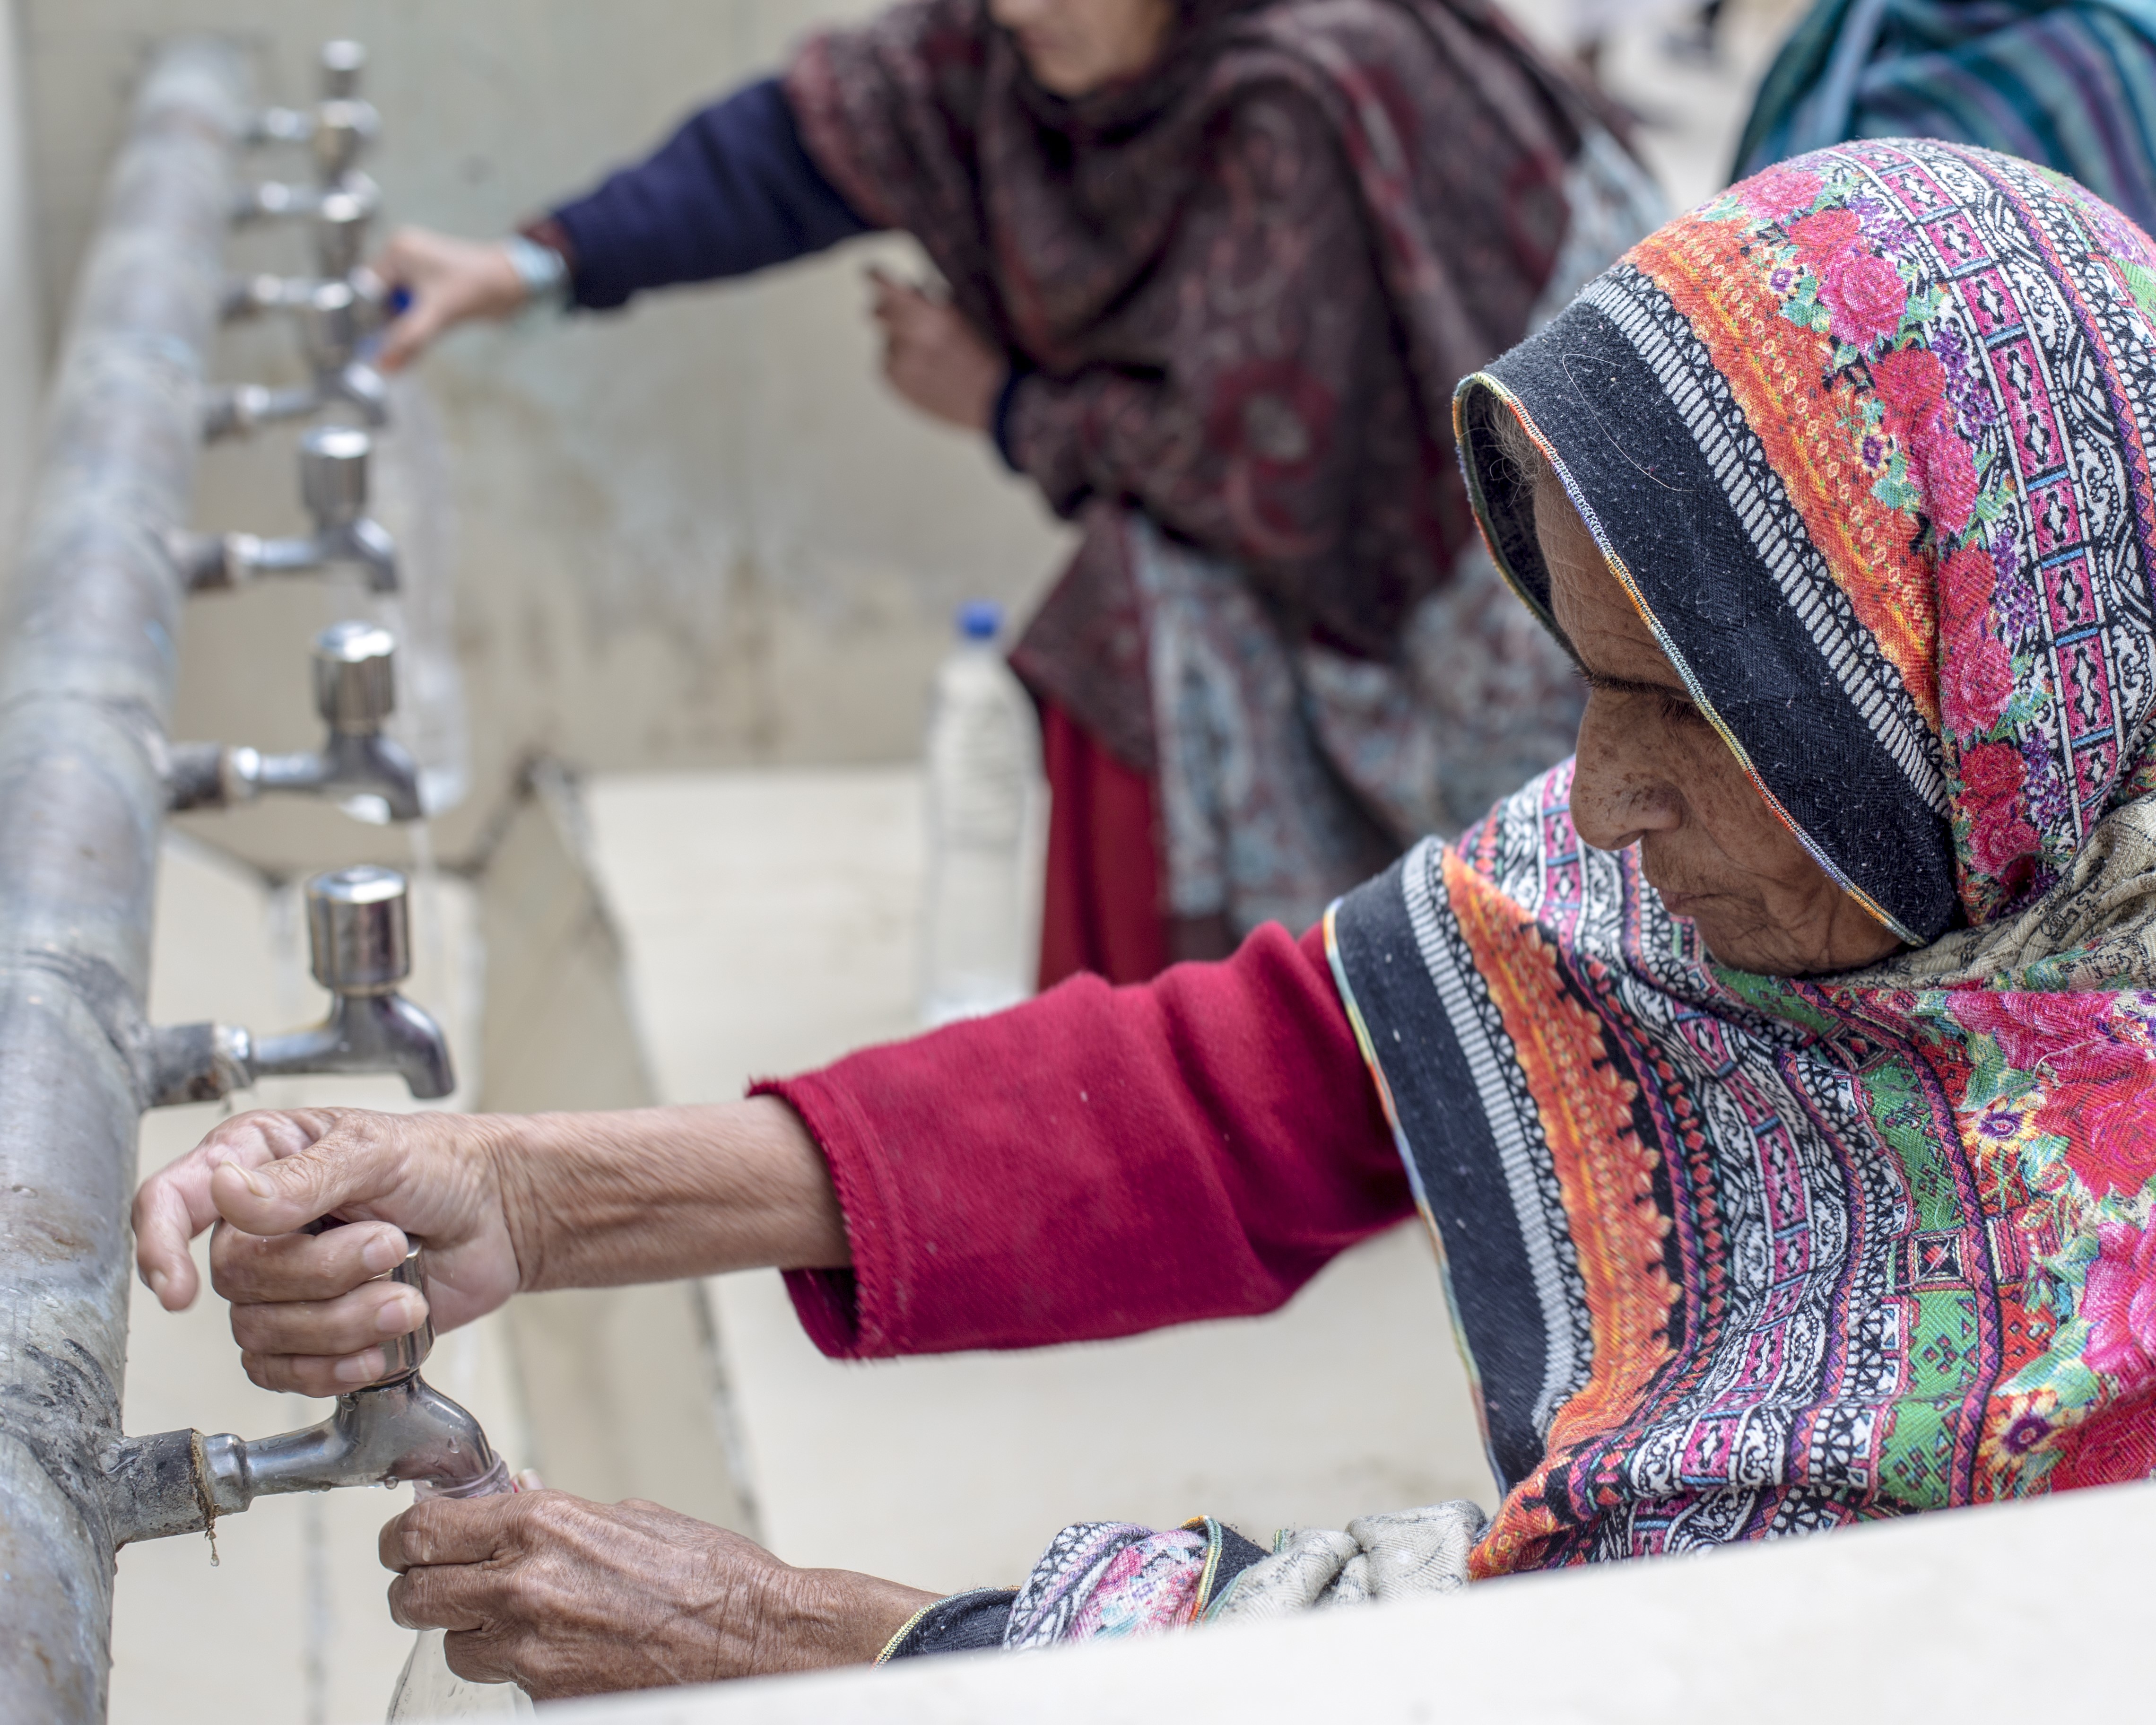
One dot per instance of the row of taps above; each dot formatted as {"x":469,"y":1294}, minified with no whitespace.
{"x":397,"y":1429}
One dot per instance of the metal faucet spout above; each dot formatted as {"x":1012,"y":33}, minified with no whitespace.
{"x":359,"y":935}
{"x":404,"y":1431}
{"x":208,"y":775}
{"x":357,"y":765}
{"x":365,"y":1033}
{"x":397,"y":1430}
{"x":244,"y":408}
{"x":335,"y":317}
{"x":333,"y":484}
{"x":398,"y":1433}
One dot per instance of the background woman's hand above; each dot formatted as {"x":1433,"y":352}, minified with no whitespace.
{"x":934,"y":358}
{"x":566,"y":1597}
{"x":307,"y":1310}
{"x":450,"y":281}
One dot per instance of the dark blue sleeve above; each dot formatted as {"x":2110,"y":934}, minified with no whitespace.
{"x":733,"y":190}
{"x":971,"y":1622}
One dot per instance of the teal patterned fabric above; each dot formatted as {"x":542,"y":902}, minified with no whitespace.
{"x":2070,"y":87}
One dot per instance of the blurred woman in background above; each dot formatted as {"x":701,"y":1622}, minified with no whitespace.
{"x":1212,"y":268}
{"x":2072,"y":86}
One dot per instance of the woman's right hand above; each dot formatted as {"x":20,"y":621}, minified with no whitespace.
{"x":450,"y":281}
{"x":308,"y":1311}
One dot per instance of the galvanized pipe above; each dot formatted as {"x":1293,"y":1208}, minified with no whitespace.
{"x":86,"y":677}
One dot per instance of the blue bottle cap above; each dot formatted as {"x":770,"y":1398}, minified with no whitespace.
{"x":980,"y":620}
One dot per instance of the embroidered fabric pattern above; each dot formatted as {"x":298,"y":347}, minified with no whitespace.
{"x":1843,"y":1252}
{"x":1288,"y":774}
{"x":1855,"y":1246}
{"x":1101,"y":1579}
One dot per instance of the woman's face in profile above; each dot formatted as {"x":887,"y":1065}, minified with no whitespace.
{"x":1075,"y":46}
{"x":1652,"y":771}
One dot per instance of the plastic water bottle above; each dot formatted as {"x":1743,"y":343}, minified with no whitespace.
{"x":427,"y":1689}
{"x":984,"y":770}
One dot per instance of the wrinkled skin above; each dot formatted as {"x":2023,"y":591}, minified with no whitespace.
{"x":1653,"y":771}
{"x":565,"y":1598}
{"x":506,"y":1204}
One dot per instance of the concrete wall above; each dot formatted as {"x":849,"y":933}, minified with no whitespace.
{"x":700,"y":532}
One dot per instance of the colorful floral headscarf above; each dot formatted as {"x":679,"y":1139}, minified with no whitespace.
{"x":1866,"y":439}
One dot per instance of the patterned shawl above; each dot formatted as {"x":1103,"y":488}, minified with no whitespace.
{"x":2072,"y":85}
{"x":1248,"y":283}
{"x":1866,"y":438}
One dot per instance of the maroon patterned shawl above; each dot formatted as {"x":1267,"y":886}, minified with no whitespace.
{"x":1246,"y":282}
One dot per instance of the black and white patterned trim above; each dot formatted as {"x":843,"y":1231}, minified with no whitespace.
{"x":1514,"y":1120}
{"x":1659,"y":334}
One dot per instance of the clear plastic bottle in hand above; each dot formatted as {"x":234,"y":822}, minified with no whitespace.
{"x":428,"y":1689}
{"x":983,"y":776}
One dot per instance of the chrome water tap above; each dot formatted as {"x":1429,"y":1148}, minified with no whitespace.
{"x":359,"y":939}
{"x":396,"y":1430}
{"x":333,"y":484}
{"x":342,"y":61}
{"x":355,"y":692}
{"x":340,"y":65}
{"x":333,"y":318}
{"x":339,"y":130}
{"x":343,"y":217}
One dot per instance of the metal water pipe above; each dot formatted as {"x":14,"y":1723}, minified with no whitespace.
{"x":87,"y":667}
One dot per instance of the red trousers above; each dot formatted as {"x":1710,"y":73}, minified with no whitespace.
{"x":1100,"y":910}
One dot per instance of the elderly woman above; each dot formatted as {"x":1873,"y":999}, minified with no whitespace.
{"x":1214,"y":269}
{"x":1776,"y":1076}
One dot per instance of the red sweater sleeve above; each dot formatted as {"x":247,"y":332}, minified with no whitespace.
{"x":1100,"y":1161}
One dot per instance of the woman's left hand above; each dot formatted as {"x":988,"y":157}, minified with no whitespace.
{"x":568,"y":1598}
{"x":934,"y":358}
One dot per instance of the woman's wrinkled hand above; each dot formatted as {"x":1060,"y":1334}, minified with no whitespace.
{"x":451,"y":281}
{"x":565,"y":1598}
{"x":934,"y":357}
{"x":307,"y":1310}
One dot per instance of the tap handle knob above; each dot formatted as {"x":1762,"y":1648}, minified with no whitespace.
{"x":333,"y":462}
{"x":341,"y":220}
{"x":403,"y":1355}
{"x":329,"y":325}
{"x":356,"y":677}
{"x":359,"y":930}
{"x":342,"y":62}
{"x":343,"y":131}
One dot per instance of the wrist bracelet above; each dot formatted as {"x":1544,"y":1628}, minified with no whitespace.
{"x":544,"y":272}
